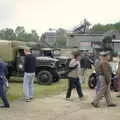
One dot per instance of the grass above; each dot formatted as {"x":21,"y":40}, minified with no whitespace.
{"x":16,"y":91}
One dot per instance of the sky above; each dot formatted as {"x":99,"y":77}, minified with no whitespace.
{"x":44,"y":14}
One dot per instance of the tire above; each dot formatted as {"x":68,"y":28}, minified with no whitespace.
{"x":92,"y":82}
{"x":45,"y":77}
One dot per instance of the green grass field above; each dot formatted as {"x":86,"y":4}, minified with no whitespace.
{"x":16,"y":91}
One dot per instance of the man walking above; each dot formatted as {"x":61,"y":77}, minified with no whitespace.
{"x":29,"y":74}
{"x":105,"y":81}
{"x":73,"y":76}
{"x":97,"y":66}
{"x":2,"y":85}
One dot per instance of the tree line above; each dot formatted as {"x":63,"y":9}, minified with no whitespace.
{"x":100,"y":28}
{"x":18,"y":34}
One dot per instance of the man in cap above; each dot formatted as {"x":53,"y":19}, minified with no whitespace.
{"x":73,"y":76}
{"x":105,"y":81}
{"x":3,"y":68}
{"x":29,"y":74}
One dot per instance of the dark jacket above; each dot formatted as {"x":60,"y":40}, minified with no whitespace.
{"x":29,"y":64}
{"x":3,"y":71}
{"x":86,"y":62}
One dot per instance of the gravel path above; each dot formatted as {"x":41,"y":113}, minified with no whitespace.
{"x":57,"y":108}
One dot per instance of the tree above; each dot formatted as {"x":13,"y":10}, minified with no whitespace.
{"x":20,"y":33}
{"x":35,"y":36}
{"x":98,"y":28}
{"x":7,"y":34}
{"x":61,"y":37}
{"x":117,"y":26}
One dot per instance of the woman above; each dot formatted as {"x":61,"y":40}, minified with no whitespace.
{"x":73,"y":76}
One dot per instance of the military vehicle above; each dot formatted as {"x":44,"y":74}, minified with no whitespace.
{"x":12,"y":52}
{"x":39,"y":50}
{"x":52,"y":53}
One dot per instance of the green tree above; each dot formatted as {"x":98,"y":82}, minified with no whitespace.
{"x":61,"y":37}
{"x":20,"y":33}
{"x":117,"y":26}
{"x":7,"y":34}
{"x":35,"y":36}
{"x":99,"y":28}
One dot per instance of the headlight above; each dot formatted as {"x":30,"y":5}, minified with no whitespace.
{"x":53,"y":64}
{"x":20,"y":66}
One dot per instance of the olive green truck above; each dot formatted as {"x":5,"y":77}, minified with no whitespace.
{"x":12,"y":52}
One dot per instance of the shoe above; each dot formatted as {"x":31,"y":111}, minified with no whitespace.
{"x":95,"y":105}
{"x":112,"y":105}
{"x":27,"y":100}
{"x":4,"y":106}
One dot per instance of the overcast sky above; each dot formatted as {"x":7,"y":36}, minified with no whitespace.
{"x":44,"y":14}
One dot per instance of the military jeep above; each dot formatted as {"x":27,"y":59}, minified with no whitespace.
{"x":55,"y":53}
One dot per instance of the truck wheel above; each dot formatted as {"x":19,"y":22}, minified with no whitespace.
{"x":44,"y":77}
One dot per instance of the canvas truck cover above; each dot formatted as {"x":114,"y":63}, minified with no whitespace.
{"x":6,"y":50}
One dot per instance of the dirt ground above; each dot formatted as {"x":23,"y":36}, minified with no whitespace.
{"x":57,"y":108}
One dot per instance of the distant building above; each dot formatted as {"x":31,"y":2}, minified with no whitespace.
{"x":50,"y":37}
{"x":90,"y":41}
{"x":116,"y":41}
{"x":84,"y":41}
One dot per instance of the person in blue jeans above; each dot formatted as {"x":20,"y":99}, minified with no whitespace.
{"x":97,"y":66}
{"x":73,"y":76}
{"x":29,"y":74}
{"x":3,"y":96}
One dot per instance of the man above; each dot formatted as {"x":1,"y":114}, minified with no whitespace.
{"x":29,"y":74}
{"x":85,"y":63}
{"x":97,"y":66}
{"x":105,"y":81}
{"x":73,"y":76}
{"x":2,"y":84}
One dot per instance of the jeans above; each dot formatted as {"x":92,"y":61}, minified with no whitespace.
{"x":28,"y":84}
{"x":3,"y":97}
{"x":97,"y":83}
{"x":76,"y":83}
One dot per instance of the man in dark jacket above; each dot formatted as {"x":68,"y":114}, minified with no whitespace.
{"x":29,"y":74}
{"x":2,"y":84}
{"x":85,"y":63}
